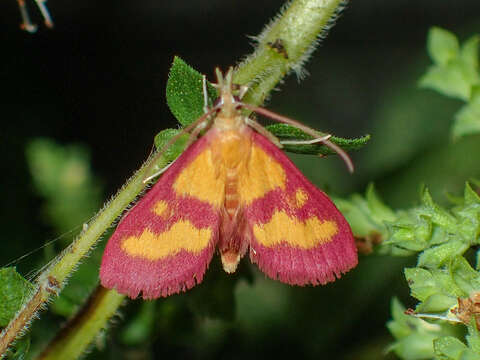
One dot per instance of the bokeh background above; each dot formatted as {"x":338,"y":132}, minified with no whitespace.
{"x":95,"y":86}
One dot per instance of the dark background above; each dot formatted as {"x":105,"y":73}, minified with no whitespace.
{"x":99,"y":78}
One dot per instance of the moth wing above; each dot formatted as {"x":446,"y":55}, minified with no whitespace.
{"x":296,"y":233}
{"x":164,"y":244}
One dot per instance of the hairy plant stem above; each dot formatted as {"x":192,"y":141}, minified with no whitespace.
{"x":283,"y":46}
{"x":78,"y":333}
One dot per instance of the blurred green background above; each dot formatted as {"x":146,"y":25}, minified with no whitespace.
{"x":95,"y":85}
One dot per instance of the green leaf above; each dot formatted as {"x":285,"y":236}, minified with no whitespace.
{"x":171,"y":152}
{"x":410,"y":232}
{"x":464,"y":275}
{"x":470,"y":196}
{"x":13,"y":291}
{"x":175,"y":149}
{"x":288,"y":132}
{"x":185,"y":92}
{"x":449,"y":81}
{"x":414,"y":337}
{"x":442,"y":45}
{"x":473,"y":338}
{"x":438,"y":255}
{"x":449,"y":347}
{"x":421,"y":282}
{"x":427,"y":283}
{"x":367,"y":216}
{"x":437,"y":214}
{"x":469,"y":52}
{"x":467,"y":119}
{"x":436,"y":303}
{"x":454,"y":71}
{"x":399,"y":325}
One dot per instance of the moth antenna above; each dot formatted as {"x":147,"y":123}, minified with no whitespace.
{"x":170,"y":142}
{"x":305,"y":129}
{"x":26,"y":24}
{"x":220,"y":82}
{"x":229,"y":77}
{"x":205,"y":94}
{"x":45,"y":13}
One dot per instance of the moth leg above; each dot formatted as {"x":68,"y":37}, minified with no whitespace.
{"x":45,"y":13}
{"x":305,"y":142}
{"x":260,"y":129}
{"x":195,"y":127}
{"x":304,"y":128}
{"x":26,"y":24}
{"x":159,"y":172}
{"x":205,"y":94}
{"x":193,"y":136}
{"x":196,"y":131}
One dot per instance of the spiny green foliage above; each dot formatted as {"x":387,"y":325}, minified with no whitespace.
{"x":415,"y":336}
{"x":443,"y":274}
{"x":444,"y":279}
{"x":455,"y":73}
{"x":440,"y":237}
{"x":185,"y":99}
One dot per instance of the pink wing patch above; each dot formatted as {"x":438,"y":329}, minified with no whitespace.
{"x":164,"y":244}
{"x":297,"y":235}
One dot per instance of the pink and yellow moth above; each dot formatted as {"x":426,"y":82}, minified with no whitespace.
{"x":233,"y":190}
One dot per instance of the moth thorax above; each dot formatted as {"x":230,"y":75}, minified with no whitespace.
{"x":225,"y":123}
{"x":232,"y":147}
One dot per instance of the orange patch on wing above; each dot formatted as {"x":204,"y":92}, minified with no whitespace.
{"x":160,"y":208}
{"x":183,"y":235}
{"x":305,"y":234}
{"x":261,"y":175}
{"x":202,"y":179}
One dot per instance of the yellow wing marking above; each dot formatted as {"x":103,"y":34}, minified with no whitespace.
{"x":160,"y":208}
{"x":261,"y":174}
{"x":301,"y":197}
{"x":183,"y":235}
{"x":202,"y":179}
{"x":305,"y":234}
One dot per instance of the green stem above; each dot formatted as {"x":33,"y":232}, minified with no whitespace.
{"x":285,"y":45}
{"x":72,"y":341}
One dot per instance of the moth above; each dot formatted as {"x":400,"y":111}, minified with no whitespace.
{"x":234,"y":190}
